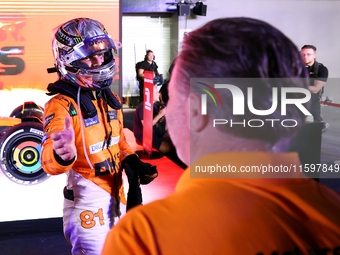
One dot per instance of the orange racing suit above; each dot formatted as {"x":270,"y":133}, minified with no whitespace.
{"x":94,"y":178}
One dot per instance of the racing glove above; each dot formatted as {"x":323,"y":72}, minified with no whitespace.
{"x":137,"y":173}
{"x":134,"y":195}
{"x":147,"y":172}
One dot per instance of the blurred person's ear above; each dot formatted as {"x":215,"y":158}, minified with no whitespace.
{"x":198,"y":122}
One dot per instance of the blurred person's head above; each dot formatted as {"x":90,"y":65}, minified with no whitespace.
{"x":308,"y":54}
{"x":156,"y":93}
{"x":149,"y":56}
{"x":233,"y":48}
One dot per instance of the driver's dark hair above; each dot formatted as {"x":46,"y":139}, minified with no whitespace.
{"x":244,"y":48}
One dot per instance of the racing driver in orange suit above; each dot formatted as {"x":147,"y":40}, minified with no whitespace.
{"x":83,"y":134}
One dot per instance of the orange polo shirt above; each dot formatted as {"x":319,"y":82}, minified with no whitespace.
{"x":234,"y":216}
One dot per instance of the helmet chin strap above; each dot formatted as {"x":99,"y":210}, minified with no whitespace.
{"x":112,"y":100}
{"x":82,"y":129}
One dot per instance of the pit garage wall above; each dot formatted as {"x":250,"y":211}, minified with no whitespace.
{"x":303,"y":21}
{"x":146,"y":5}
{"x":140,"y":33}
{"x":25,"y":43}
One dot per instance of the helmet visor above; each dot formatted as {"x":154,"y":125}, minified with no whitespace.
{"x":90,"y":46}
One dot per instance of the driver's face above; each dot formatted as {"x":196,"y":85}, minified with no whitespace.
{"x":94,"y":60}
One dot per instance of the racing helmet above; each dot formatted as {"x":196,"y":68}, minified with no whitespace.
{"x":78,"y":39}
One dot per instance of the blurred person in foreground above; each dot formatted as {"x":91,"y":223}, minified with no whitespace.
{"x":83,"y":134}
{"x":238,"y":212}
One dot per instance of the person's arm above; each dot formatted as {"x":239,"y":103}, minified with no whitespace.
{"x":140,"y":72}
{"x":318,"y":85}
{"x":320,"y":81}
{"x":58,"y":146}
{"x":146,"y":172}
{"x":157,"y":117}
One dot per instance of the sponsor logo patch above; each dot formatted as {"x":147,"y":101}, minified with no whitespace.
{"x":72,"y":110}
{"x":65,"y":99}
{"x":99,"y":146}
{"x":48,"y":162}
{"x":91,"y":121}
{"x":48,"y":119}
{"x":44,"y":138}
{"x":113,"y":115}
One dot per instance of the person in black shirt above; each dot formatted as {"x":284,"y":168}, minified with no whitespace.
{"x":147,"y":65}
{"x":318,"y":75}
